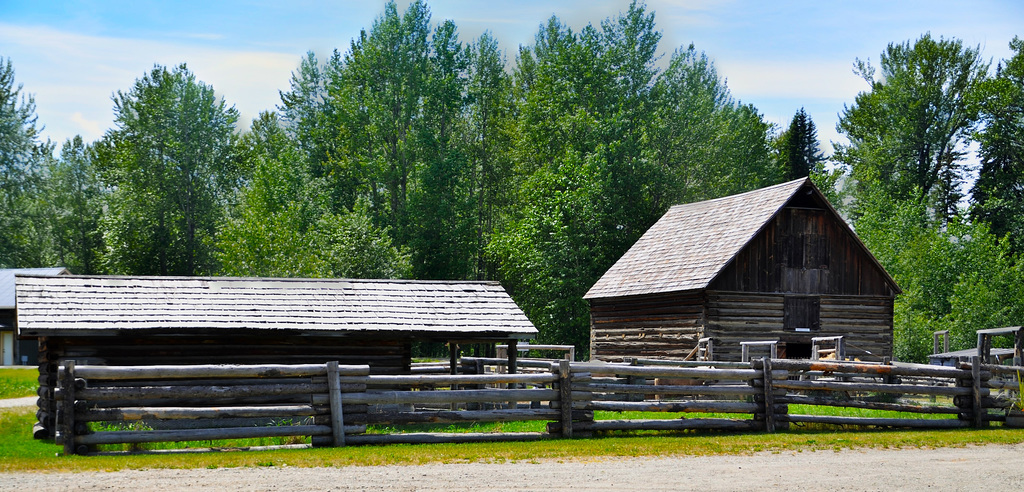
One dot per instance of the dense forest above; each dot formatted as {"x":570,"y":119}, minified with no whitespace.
{"x":416,"y":154}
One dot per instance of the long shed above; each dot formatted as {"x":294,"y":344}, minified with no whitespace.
{"x":193,"y":320}
{"x":776,"y":264}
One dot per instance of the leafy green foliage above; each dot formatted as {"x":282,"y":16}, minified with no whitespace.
{"x":283,"y":226}
{"x":908,"y":134}
{"x":74,"y":205}
{"x":20,"y":156}
{"x":169,"y":162}
{"x":998,"y":194}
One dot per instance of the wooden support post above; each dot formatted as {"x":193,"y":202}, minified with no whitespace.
{"x":513,"y":354}
{"x":769,"y":395}
{"x":67,"y":424}
{"x":565,"y":396}
{"x":1018,"y":347}
{"x":337,"y":418}
{"x":453,"y":358}
{"x":979,"y":420}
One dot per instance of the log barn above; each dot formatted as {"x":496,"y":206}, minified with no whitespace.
{"x":221,"y":320}
{"x":776,"y":264}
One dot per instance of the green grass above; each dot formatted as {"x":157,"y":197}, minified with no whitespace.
{"x":19,"y":452}
{"x":17,"y":383}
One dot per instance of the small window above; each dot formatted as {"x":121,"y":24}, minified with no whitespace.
{"x":802,"y":314}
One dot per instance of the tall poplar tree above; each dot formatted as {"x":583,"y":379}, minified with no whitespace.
{"x":169,"y":160}
{"x":908,"y":133}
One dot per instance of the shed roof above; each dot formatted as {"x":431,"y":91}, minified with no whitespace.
{"x":691,"y":244}
{"x":79,"y":305}
{"x":7,"y":281}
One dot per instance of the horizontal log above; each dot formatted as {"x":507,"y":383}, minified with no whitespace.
{"x":694,"y":363}
{"x":997,"y":369}
{"x":190,"y":413}
{"x":703,"y":406}
{"x":872,"y":405}
{"x":446,"y":397}
{"x":651,"y":389}
{"x":675,"y":424}
{"x":124,"y":383}
{"x":423,"y":438}
{"x":211,"y":371}
{"x":450,"y":416}
{"x":667,"y":372}
{"x":118,"y":437}
{"x":493,"y":361}
{"x":915,"y":389}
{"x":874,"y":369}
{"x":1001,"y":384}
{"x":876,"y":422}
{"x":158,"y":392}
{"x":447,"y":380}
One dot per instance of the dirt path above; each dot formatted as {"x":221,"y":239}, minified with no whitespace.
{"x":27,"y":401}
{"x":970,"y":468}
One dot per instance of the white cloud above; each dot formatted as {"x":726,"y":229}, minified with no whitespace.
{"x":791,"y":78}
{"x":90,"y":129}
{"x":73,"y":76}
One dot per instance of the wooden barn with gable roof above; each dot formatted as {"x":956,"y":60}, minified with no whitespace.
{"x":775,"y":264}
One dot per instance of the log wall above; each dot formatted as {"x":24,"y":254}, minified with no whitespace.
{"x":864,"y":322}
{"x":656,"y":326}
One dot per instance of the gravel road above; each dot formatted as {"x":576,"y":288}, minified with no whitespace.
{"x":990,"y":467}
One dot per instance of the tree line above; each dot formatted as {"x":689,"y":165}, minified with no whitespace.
{"x":415,"y":154}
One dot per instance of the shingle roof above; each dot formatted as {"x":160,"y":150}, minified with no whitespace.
{"x":76,"y":304}
{"x":692,"y":243}
{"x":7,"y":281}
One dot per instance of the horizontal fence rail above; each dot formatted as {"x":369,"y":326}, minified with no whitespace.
{"x":335,"y":405}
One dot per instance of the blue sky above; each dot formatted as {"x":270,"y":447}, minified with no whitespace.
{"x":777,"y":55}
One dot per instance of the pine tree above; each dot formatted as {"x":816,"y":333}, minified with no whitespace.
{"x":800,"y":149}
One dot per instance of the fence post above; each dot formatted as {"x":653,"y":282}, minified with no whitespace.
{"x":565,"y":396}
{"x":979,"y":421}
{"x":769,"y":395}
{"x":67,"y":425}
{"x":337,"y":419}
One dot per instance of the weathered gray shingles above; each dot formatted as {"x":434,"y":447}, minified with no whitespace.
{"x":126,"y":303}
{"x":691,"y":243}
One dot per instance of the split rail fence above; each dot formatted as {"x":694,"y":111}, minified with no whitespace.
{"x":335,"y":405}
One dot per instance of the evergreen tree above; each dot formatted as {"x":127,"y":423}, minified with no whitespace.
{"x":20,"y":156}
{"x":800,"y":151}
{"x":998,"y":194}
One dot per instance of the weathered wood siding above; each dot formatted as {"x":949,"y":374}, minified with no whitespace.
{"x":734,"y":317}
{"x":865,"y":322}
{"x":655,"y":326}
{"x":804,"y":250}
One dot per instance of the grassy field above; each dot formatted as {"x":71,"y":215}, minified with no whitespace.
{"x":19,"y":382}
